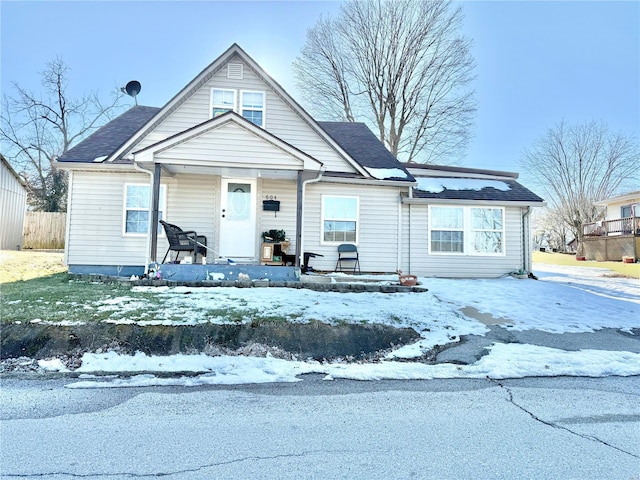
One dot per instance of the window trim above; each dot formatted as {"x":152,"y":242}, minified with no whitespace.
{"x":263,"y":109}
{"x":212,"y":105}
{"x":323,"y":219}
{"x":163,"y":203}
{"x":463,"y":230}
{"x":467,"y":231}
{"x":237,"y":103}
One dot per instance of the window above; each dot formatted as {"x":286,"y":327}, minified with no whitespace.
{"x":340,"y":219}
{"x":137,"y":209}
{"x":625,"y":211}
{"x":447,"y":229}
{"x":253,"y":107}
{"x":222,"y":101}
{"x":466,"y":230}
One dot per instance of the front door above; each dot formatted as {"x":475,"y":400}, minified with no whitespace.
{"x":238,"y":218}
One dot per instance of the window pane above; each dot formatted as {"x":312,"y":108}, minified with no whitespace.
{"x":223,"y":98}
{"x":444,"y":241}
{"x":137,"y":221}
{"x":254,"y":116}
{"x":252,"y":100}
{"x":341,"y":208}
{"x":219,"y":111}
{"x":486,"y":242}
{"x":137,"y":196}
{"x":447,"y":217}
{"x":486,"y":219}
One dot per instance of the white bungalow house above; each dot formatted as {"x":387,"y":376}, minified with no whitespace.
{"x":13,"y":205}
{"x":233,"y":155}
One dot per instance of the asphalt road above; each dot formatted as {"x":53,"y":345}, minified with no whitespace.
{"x":551,"y":428}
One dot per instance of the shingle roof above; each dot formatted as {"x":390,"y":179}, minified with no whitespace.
{"x":111,"y":136}
{"x":364,"y":147}
{"x":461,"y":188}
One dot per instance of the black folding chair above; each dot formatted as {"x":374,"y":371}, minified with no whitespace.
{"x":348,"y":253}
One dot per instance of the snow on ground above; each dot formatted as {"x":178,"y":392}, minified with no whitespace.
{"x":565,"y":299}
{"x":504,"y":361}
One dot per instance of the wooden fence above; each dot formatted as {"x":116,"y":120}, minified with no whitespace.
{"x":44,"y":230}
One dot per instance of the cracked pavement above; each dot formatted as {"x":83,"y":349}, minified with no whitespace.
{"x":529,"y":428}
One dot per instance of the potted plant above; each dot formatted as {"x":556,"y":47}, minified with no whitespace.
{"x":522,"y":274}
{"x":274,"y":236}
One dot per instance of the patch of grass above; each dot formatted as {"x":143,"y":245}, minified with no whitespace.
{"x":23,"y":265}
{"x":631,"y":270}
{"x":56,"y":298}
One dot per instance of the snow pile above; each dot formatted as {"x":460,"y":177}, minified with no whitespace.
{"x":437,"y":185}
{"x":503,"y":361}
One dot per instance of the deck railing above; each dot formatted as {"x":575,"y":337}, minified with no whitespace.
{"x":606,"y":228}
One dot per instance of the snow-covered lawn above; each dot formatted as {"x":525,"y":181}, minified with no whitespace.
{"x":565,"y":299}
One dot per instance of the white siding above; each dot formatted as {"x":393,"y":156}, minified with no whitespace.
{"x":378,"y":226}
{"x":285,"y":219}
{"x":13,"y":204}
{"x":96,"y":216}
{"x":95,"y":221}
{"x":416,"y":259}
{"x":193,"y":203}
{"x":229,"y":145}
{"x":614,"y":209}
{"x":280,"y":119}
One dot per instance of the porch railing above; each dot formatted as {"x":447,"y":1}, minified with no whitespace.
{"x":606,"y":228}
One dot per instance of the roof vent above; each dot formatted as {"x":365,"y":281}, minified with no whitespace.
{"x":235,"y":71}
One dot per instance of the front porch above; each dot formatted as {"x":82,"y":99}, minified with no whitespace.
{"x":173,"y":272}
{"x":612,"y":240}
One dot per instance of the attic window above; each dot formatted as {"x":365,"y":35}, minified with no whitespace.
{"x":235,"y":71}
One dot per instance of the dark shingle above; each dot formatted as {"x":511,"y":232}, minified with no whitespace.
{"x":364,"y":147}
{"x":111,"y":136}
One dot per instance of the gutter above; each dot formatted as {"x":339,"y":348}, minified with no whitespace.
{"x":149,"y":231}
{"x":302,"y":186}
{"x":452,"y":201}
{"x":526,"y":262}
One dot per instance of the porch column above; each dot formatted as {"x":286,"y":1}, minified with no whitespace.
{"x":154,"y":212}
{"x":299,"y":218}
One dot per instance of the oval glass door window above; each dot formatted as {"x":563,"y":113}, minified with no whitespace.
{"x":238,"y":201}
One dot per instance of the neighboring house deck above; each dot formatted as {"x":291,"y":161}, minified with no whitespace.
{"x":618,"y":235}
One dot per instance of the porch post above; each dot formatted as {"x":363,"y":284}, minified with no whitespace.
{"x":299,"y":218}
{"x":154,"y":212}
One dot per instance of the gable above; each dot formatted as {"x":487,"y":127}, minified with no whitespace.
{"x":227,"y":141}
{"x":283,"y":117}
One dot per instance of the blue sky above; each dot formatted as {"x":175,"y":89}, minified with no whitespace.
{"x":537,"y":62}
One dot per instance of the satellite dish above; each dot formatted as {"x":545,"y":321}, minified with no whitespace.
{"x":132,"y":89}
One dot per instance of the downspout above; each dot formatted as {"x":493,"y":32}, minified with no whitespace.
{"x":526,"y":262}
{"x":149,"y":231}
{"x":302,"y":186}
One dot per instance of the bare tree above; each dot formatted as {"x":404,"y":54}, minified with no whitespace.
{"x":399,"y":65}
{"x":35,"y":129}
{"x":550,"y":229}
{"x":575,"y":166}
